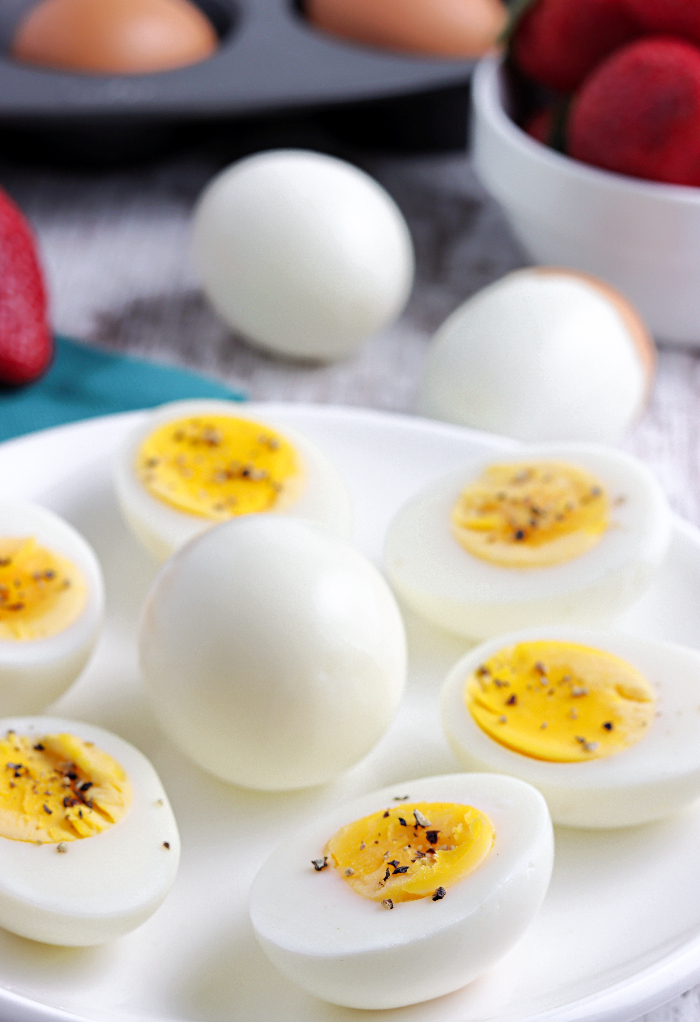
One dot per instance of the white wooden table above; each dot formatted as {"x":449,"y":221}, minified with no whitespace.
{"x":116,"y":251}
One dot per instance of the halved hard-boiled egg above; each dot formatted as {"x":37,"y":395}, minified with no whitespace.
{"x":51,"y":606}
{"x":89,"y":847}
{"x":553,"y":533}
{"x":407,"y":893}
{"x":191,"y":464}
{"x":605,"y":725}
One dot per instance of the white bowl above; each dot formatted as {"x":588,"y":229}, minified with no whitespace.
{"x":640,"y":236}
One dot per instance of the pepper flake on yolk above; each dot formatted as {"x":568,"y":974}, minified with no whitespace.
{"x":560,"y":702}
{"x":41,"y":593}
{"x":411,"y":852}
{"x":58,"y":788}
{"x":531,"y":514}
{"x":218,"y":466}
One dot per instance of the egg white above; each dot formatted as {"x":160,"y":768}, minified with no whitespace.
{"x":273,"y":652}
{"x":323,"y":497}
{"x":543,"y":354}
{"x":33,"y":673}
{"x":466,"y":595}
{"x":102,"y":886}
{"x":352,"y":951}
{"x":654,"y":777}
{"x":303,"y":253}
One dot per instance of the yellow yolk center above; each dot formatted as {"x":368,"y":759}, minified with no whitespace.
{"x":58,"y":788}
{"x":41,"y":593}
{"x":531,"y":514}
{"x":413,"y":851}
{"x":560,"y":702}
{"x":217,"y":466}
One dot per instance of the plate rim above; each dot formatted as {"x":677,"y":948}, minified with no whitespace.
{"x":645,"y":990}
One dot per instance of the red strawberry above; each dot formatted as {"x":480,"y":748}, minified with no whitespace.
{"x":557,"y":42}
{"x":26,"y":346}
{"x":668,"y":17}
{"x":540,"y":125}
{"x":639,"y":112}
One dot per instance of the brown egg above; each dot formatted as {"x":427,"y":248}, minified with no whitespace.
{"x":439,"y":28}
{"x":114,"y":36}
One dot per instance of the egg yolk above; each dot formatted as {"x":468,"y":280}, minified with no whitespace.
{"x":41,"y":593}
{"x":58,"y":788}
{"x":410,"y":852}
{"x":218,"y":466}
{"x":560,"y":702}
{"x":531,"y":514}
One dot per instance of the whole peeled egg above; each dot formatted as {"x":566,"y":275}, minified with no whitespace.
{"x":273,"y":652}
{"x":541,"y":355}
{"x":114,"y":36}
{"x":304,"y":254}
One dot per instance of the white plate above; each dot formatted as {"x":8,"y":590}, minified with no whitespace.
{"x":620,"y":929}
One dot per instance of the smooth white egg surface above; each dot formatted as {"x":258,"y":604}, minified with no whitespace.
{"x":51,"y":606}
{"x":273,"y":652}
{"x":656,"y":772}
{"x":303,"y":253}
{"x":81,"y":890}
{"x":530,"y":579}
{"x":541,"y":355}
{"x":354,"y":951}
{"x":309,"y":486}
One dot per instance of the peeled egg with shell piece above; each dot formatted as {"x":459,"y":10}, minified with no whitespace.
{"x":651,"y":776}
{"x":478,"y":596}
{"x":51,"y":616}
{"x":543,"y":354}
{"x":351,"y":950}
{"x":92,"y":889}
{"x":165,"y":514}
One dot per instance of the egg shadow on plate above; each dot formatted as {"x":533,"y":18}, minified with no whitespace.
{"x":92,"y":509}
{"x":432,"y":651}
{"x":199,"y":796}
{"x":232,"y":981}
{"x":128,"y":570}
{"x":603,"y":856}
{"x":62,"y":966}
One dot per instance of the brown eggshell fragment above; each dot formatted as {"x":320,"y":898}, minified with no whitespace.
{"x":639,"y":334}
{"x":439,"y":28}
{"x":114,"y":36}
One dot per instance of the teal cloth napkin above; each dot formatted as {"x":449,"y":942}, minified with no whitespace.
{"x":83,"y":382}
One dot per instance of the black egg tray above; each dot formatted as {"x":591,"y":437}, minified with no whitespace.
{"x":270,"y":60}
